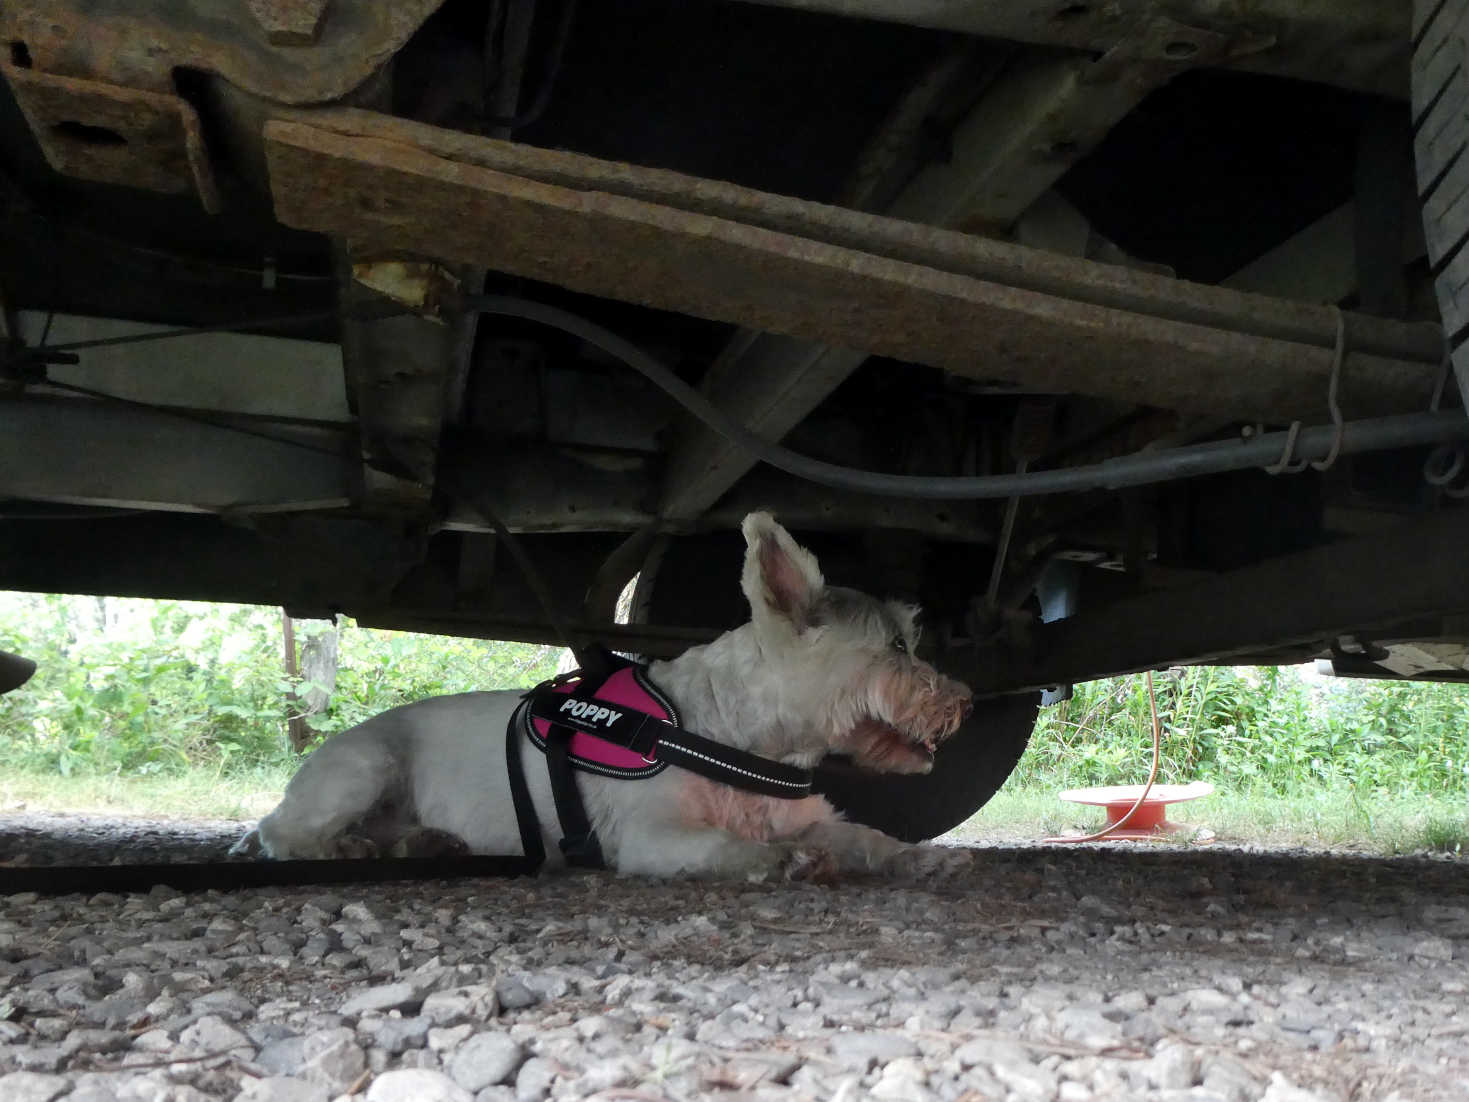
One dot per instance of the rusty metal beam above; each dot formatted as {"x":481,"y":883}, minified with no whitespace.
{"x":284,"y":50}
{"x":1041,"y":117}
{"x":1228,"y":354}
{"x":984,"y":259}
{"x":1416,"y":570}
{"x":1358,"y":44}
{"x":1033,"y":123}
{"x":399,"y":374}
{"x":115,"y":135}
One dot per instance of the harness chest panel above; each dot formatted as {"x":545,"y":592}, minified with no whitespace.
{"x":626,"y":690}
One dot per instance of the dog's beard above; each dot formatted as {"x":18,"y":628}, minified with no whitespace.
{"x":910,"y":709}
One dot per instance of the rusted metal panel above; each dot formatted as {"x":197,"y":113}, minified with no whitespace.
{"x":982,"y":258}
{"x":115,"y":135}
{"x":263,"y":46}
{"x":399,"y":196}
{"x":289,"y":22}
{"x":1358,"y":44}
{"x":1299,"y":599}
{"x":1031,"y":125}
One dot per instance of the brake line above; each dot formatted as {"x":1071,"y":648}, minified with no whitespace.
{"x":1137,"y":469}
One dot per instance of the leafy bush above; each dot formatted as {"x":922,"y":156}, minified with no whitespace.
{"x":1256,"y":728}
{"x":127,"y":687}
{"x":136,"y":687}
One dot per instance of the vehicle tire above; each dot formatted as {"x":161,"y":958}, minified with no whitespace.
{"x":1440,"y":142}
{"x":967,"y":770}
{"x":678,"y":588}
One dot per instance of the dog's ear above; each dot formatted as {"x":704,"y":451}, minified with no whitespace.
{"x":781,"y":578}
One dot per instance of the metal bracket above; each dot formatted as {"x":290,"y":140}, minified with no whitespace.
{"x":115,"y":135}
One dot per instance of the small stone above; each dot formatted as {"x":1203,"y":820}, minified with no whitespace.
{"x":1282,"y":1089}
{"x":1207,"y":1000}
{"x":213,"y":1034}
{"x":397,"y":1035}
{"x":1174,"y":1067}
{"x":474,"y":1002}
{"x":485,"y":1060}
{"x":1433,"y":948}
{"x":227,"y":1004}
{"x":1029,"y":1082}
{"x":281,"y":1088}
{"x":1231,"y":1080}
{"x":31,"y":1086}
{"x":442,"y":1039}
{"x":416,"y":1085}
{"x":609,"y":1074}
{"x":903,"y":1079}
{"x":863,"y":1050}
{"x":533,"y":1081}
{"x":330,"y":1057}
{"x":42,"y":1058}
{"x":51,"y":1028}
{"x":984,"y":1050}
{"x":514,"y":995}
{"x":116,"y":1012}
{"x":1087,"y":1027}
{"x":600,"y":1025}
{"x":388,"y":996}
{"x":840,"y":998}
{"x":96,"y":1041}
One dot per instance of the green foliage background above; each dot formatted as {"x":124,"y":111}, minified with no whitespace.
{"x":1258,"y":729}
{"x":129,"y":687}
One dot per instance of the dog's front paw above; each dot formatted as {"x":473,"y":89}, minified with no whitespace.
{"x":247,"y":848}
{"x":353,"y":847}
{"x":424,"y":842}
{"x":928,"y":863}
{"x":808,"y":864}
{"x":779,"y":862}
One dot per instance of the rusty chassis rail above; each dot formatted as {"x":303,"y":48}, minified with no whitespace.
{"x":1309,"y":597}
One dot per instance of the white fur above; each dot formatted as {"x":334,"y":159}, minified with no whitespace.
{"x":777,"y":686}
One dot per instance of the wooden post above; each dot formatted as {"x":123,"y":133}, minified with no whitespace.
{"x":296,"y":730}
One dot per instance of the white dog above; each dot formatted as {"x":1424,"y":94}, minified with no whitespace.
{"x":817,"y":670}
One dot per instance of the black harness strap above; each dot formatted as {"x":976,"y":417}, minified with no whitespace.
{"x":579,"y":841}
{"x":525,"y":809}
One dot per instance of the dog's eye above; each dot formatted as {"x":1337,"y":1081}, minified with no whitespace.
{"x":900,"y":644}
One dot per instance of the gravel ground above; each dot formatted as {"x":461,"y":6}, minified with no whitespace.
{"x":1116,"y":972}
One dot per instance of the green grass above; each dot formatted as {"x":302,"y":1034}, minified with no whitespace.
{"x":195,"y":794}
{"x":1334,"y":819}
{"x":1327,"y":818}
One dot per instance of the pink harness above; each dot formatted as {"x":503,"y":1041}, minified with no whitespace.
{"x":626,"y":691}
{"x":614,"y":722}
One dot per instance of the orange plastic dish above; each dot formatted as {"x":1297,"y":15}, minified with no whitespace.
{"x":1149,"y":820}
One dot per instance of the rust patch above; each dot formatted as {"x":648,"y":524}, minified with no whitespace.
{"x":113,"y":135}
{"x":140,"y":43}
{"x":289,"y":22}
{"x":401,"y":198}
{"x":417,"y":284}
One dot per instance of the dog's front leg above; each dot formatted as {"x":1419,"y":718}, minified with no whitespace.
{"x":858,"y":848}
{"x":674,"y":850}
